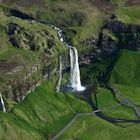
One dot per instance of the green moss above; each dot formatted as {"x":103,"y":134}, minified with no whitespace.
{"x":130,"y":92}
{"x":126,"y":69}
{"x":110,"y":107}
{"x":129,"y":14}
{"x":42,"y":113}
{"x":93,"y":128}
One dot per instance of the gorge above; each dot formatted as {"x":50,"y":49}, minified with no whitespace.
{"x":69,"y":70}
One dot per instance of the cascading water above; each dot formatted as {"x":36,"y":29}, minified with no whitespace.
{"x":75,"y":81}
{"x":60,"y":74}
{"x":2,"y":104}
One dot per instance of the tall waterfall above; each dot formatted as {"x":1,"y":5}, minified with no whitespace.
{"x":60,"y":74}
{"x":2,"y":104}
{"x":75,"y":81}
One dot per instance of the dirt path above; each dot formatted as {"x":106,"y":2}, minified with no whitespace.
{"x":71,"y":122}
{"x":123,"y":100}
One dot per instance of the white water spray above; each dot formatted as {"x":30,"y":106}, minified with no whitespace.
{"x":2,"y":103}
{"x":60,"y":74}
{"x":75,"y":81}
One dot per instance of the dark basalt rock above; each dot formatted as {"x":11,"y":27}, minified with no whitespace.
{"x":128,"y":34}
{"x":21,"y":37}
{"x":19,"y":14}
{"x":124,"y":36}
{"x":120,"y":27}
{"x":12,"y":27}
{"x":89,"y":41}
{"x":77,"y":18}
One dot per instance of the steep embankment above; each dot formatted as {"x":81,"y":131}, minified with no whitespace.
{"x":125,"y":75}
{"x":92,"y":128}
{"x":42,"y":114}
{"x":28,"y":54}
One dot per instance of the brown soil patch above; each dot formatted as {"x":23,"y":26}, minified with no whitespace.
{"x":103,"y":5}
{"x":6,"y":66}
{"x":25,"y":3}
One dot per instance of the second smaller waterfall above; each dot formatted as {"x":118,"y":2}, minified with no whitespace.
{"x":59,"y":74}
{"x":2,"y":104}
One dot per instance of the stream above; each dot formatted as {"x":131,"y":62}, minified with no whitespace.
{"x":124,"y":100}
{"x":100,"y":114}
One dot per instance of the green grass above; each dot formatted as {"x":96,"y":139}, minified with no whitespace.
{"x":125,"y":75}
{"x":93,"y":71}
{"x":126,"y":70}
{"x":23,"y":56}
{"x":119,"y":2}
{"x":60,"y":12}
{"x":110,"y":107}
{"x":130,"y":92}
{"x":32,"y":28}
{"x":42,"y":113}
{"x":93,"y":128}
{"x":129,"y":14}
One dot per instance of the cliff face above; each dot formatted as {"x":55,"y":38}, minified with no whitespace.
{"x":29,"y":54}
{"x":115,"y":35}
{"x":128,"y":34}
{"x":36,"y":47}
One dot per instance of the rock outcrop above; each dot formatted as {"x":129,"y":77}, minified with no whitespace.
{"x":26,"y":39}
{"x":114,"y":36}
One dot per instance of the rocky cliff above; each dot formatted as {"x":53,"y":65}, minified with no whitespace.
{"x":115,"y":35}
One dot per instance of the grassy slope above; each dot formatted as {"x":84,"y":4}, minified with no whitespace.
{"x":40,"y":108}
{"x":41,"y":114}
{"x":125,"y":75}
{"x":109,"y":106}
{"x":129,"y":14}
{"x":93,"y":128}
{"x":26,"y":57}
{"x":60,"y":13}
{"x":126,"y":70}
{"x":31,"y":27}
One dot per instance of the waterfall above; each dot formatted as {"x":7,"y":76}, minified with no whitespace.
{"x":60,"y":74}
{"x":75,"y":81}
{"x":2,"y":103}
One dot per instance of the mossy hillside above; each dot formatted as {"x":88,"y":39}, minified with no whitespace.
{"x":20,"y":61}
{"x":126,"y":69}
{"x":129,"y":14}
{"x":99,"y":71}
{"x":92,"y":128}
{"x":119,"y":3}
{"x":42,"y":114}
{"x":7,"y":51}
{"x":131,"y":92}
{"x":125,"y":75}
{"x":81,"y":16}
{"x":31,"y":28}
{"x":110,"y":107}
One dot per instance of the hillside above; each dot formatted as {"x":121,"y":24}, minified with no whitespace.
{"x":69,"y":69}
